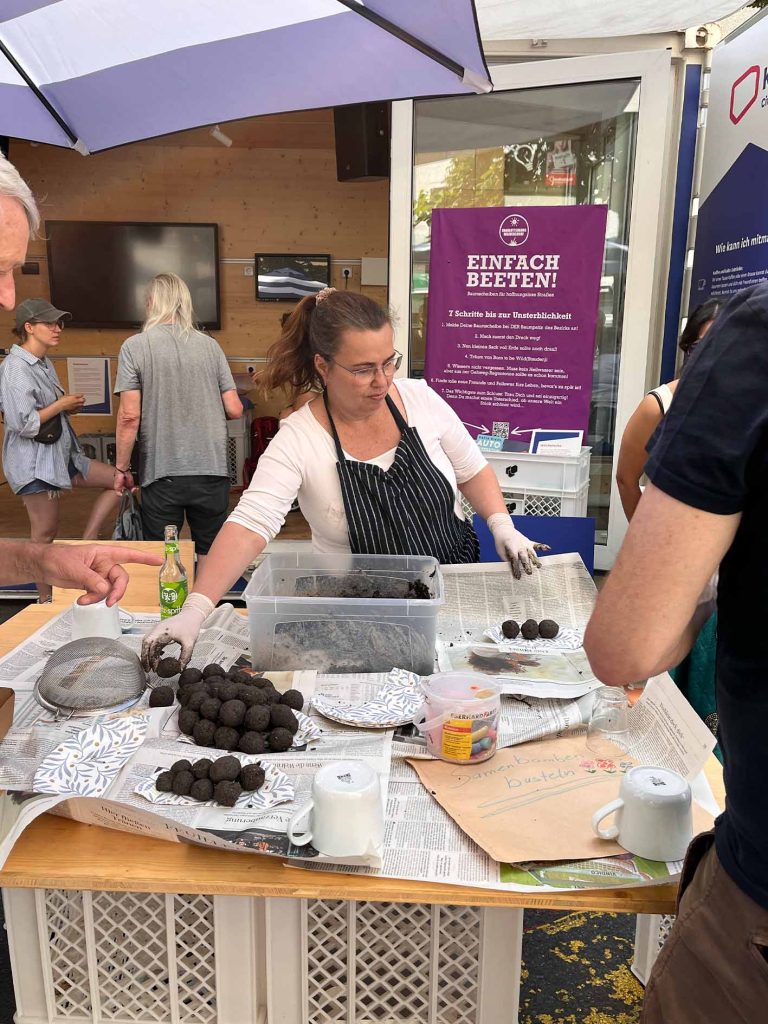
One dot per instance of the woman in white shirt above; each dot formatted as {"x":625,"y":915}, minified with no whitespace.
{"x":376,"y":464}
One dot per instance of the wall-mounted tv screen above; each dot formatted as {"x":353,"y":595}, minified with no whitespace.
{"x":285,"y":278}
{"x":99,"y":270}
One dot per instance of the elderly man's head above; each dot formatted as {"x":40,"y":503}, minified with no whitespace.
{"x":19,"y":219}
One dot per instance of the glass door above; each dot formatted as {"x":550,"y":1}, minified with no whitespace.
{"x":557,"y":133}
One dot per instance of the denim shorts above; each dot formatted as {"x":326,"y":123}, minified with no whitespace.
{"x":41,"y":486}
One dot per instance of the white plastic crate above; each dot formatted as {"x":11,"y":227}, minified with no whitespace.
{"x":541,"y":502}
{"x":238,"y":448}
{"x":154,"y":958}
{"x":651,"y":932}
{"x":540,"y":472}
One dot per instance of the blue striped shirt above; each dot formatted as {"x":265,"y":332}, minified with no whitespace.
{"x":28,"y":384}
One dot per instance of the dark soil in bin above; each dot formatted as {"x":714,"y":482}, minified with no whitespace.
{"x":350,"y":645}
{"x":361,"y":586}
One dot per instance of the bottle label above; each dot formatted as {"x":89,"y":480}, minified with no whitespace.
{"x":172,"y":598}
{"x":171,"y":547}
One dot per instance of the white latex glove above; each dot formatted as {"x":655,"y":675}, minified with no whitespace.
{"x":513,"y":546}
{"x":181,"y":629}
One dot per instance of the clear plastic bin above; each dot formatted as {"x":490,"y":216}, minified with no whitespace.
{"x":298,"y":621}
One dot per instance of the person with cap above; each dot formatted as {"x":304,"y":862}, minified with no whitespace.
{"x":41,"y":453}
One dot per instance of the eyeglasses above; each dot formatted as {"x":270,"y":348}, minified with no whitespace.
{"x":368,"y":374}
{"x":51,"y":325}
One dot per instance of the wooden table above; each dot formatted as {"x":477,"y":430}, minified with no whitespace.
{"x":55,"y":854}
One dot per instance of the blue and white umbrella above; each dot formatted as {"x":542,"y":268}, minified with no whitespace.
{"x":100,"y":73}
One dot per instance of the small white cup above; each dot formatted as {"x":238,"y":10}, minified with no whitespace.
{"x":347,"y":816}
{"x":96,"y":620}
{"x":654,"y":818}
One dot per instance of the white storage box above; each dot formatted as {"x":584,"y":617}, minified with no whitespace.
{"x":297,"y":621}
{"x":522,"y":472}
{"x":155,"y":958}
{"x":541,"y":503}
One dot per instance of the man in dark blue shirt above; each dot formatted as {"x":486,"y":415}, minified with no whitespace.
{"x":707,"y":505}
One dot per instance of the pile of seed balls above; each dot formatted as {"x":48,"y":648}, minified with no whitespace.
{"x":233,"y":710}
{"x":222,"y":780}
{"x":547,"y":629}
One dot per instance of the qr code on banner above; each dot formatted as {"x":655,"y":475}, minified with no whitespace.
{"x":500,"y":429}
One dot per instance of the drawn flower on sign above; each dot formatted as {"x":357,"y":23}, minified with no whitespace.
{"x":625,"y":765}
{"x":606,"y":765}
{"x":589,"y":766}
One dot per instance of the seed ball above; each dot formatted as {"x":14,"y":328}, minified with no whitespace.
{"x":228,"y":691}
{"x":530,"y":629}
{"x":214,"y":685}
{"x":181,"y":766}
{"x":227,"y":793}
{"x":203,"y":733}
{"x":252,"y":743}
{"x":164,"y":782}
{"x":168,"y":667}
{"x":253,"y":697}
{"x":225,"y":738}
{"x":232,"y":713}
{"x":280,"y":740}
{"x":213,"y":670}
{"x":236,"y":675}
{"x":187,"y":721}
{"x":548,"y":629}
{"x":273,"y":697}
{"x":294,"y":699}
{"x":510,"y":629}
{"x":162,"y":697}
{"x":202,"y":789}
{"x":201,"y":768}
{"x":252,"y":777}
{"x":257,"y":718}
{"x":190,"y":676}
{"x":196,"y":699}
{"x":281,"y":717}
{"x":210,"y":709}
{"x":182,"y":783}
{"x":225,"y":769}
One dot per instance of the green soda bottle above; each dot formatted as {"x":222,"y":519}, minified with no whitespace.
{"x":173,"y":577}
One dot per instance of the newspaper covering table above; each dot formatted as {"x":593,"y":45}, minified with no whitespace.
{"x":422,"y":842}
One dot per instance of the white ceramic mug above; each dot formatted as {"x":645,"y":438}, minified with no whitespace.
{"x":347,"y":816}
{"x":97,"y":620}
{"x":653,"y":814}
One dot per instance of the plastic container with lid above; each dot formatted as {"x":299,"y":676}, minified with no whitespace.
{"x":460,"y":716}
{"x":298,"y":620}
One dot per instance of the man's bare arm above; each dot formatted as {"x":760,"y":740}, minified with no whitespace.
{"x":645,"y":618}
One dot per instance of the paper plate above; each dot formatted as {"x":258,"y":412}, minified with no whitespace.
{"x":395,"y":704}
{"x":86,"y":763}
{"x":277,"y":789}
{"x":566,"y":640}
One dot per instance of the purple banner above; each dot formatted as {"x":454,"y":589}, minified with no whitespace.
{"x":512,"y":307}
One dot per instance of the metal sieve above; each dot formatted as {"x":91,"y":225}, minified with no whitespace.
{"x":91,"y":676}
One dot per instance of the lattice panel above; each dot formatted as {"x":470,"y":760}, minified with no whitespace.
{"x":195,"y":958}
{"x":392,"y":956}
{"x":65,"y":928}
{"x":327,"y":961}
{"x":131,"y":955}
{"x":542,"y":505}
{"x":457,"y":965}
{"x":665,"y":927}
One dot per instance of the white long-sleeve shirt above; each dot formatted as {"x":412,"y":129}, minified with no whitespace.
{"x":301,"y":462}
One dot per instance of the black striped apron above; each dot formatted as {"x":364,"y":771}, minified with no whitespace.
{"x":407,"y":509}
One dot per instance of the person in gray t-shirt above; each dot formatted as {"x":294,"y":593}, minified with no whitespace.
{"x":176,"y":392}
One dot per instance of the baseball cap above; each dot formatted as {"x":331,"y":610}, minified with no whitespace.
{"x":38,"y":309}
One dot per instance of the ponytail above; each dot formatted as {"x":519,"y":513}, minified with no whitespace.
{"x":314,"y":328}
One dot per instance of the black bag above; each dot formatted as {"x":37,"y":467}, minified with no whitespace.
{"x":50,"y":432}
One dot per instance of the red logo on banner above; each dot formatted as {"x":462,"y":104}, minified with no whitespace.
{"x":744,"y":93}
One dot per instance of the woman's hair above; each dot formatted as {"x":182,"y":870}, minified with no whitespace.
{"x":169,"y":301}
{"x":707,"y":311}
{"x":314,"y":328}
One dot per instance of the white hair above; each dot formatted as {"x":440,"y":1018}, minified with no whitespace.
{"x":13,"y":185}
{"x":169,"y":302}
